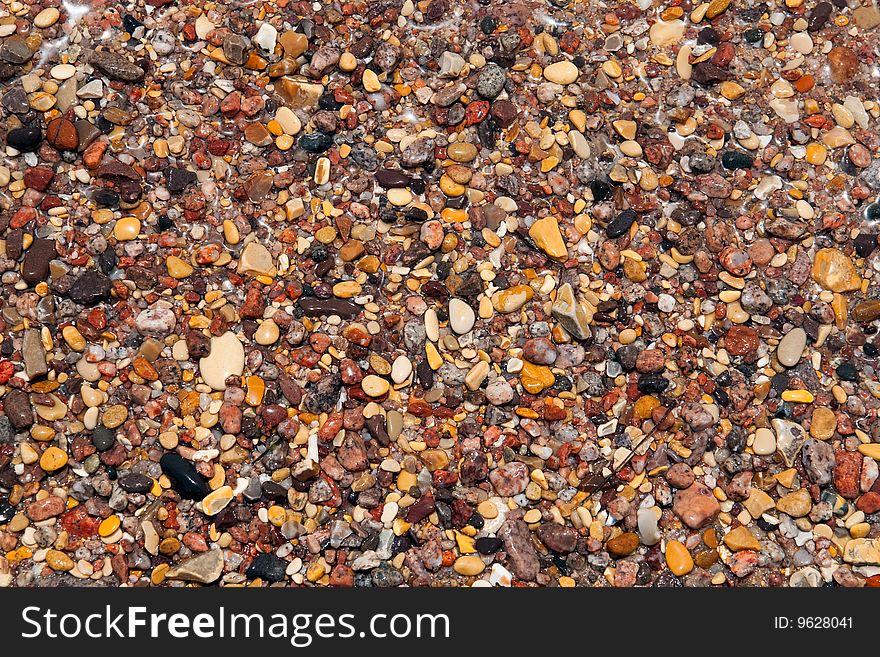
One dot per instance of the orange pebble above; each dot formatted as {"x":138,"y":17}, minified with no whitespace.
{"x":805,"y":83}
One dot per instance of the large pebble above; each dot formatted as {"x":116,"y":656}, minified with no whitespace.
{"x":225,"y":359}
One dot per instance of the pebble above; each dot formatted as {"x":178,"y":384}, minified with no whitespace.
{"x":796,"y":504}
{"x":563,"y":72}
{"x":225,"y":358}
{"x":678,"y":559}
{"x":461,"y":316}
{"x":47,"y":17}
{"x":203,"y":568}
{"x":791,"y":347}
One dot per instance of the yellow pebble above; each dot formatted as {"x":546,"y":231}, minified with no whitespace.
{"x":315,"y":571}
{"x":277,"y":515}
{"x":178,"y":268}
{"x":73,"y":338}
{"x":109,"y":525}
{"x":469,"y":565}
{"x":465,"y":544}
{"x":53,"y":459}
{"x":371,"y":81}
{"x":798,"y":396}
{"x":127,"y":228}
{"x":816,"y":154}
{"x":678,"y":558}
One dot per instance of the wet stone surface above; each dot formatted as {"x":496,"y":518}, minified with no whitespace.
{"x":439,"y":294}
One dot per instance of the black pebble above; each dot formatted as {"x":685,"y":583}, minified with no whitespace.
{"x":184,"y":478}
{"x":136,"y":483}
{"x":847,"y":372}
{"x":316,"y":142}
{"x":106,"y":197}
{"x":736,"y":160}
{"x":652,"y":384}
{"x":620,"y":224}
{"x":754,"y":36}
{"x":268,"y":567}
{"x":103,"y":438}
{"x":24,"y":139}
{"x":600,"y":189}
{"x":488,"y":544}
{"x":130,"y":23}
{"x":7,"y":511}
{"x":865,"y":244}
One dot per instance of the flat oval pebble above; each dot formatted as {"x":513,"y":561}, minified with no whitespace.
{"x":563,"y":72}
{"x":791,"y":347}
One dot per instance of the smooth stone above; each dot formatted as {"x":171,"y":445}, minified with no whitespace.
{"x":204,"y":568}
{"x":375,"y":386}
{"x":461,"y":151}
{"x":184,"y":478}
{"x":391,"y":179}
{"x":136,"y":483}
{"x":24,"y":139}
{"x":127,"y":228}
{"x":342,"y":308}
{"x":401,"y":369}
{"x":63,"y":71}
{"x":255,"y":259}
{"x":225,"y":359}
{"x":678,"y":558}
{"x":36,"y":261}
{"x":461,"y":316}
{"x":53,"y":459}
{"x":791,"y":347}
{"x":866,"y":311}
{"x":796,"y":504}
{"x":47,"y":17}
{"x":623,"y":544}
{"x":267,"y":333}
{"x":765,"y":442}
{"x":217,"y":500}
{"x":469,"y":565}
{"x":563,"y":72}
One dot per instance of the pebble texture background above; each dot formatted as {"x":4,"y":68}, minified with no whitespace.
{"x":439,"y":293}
